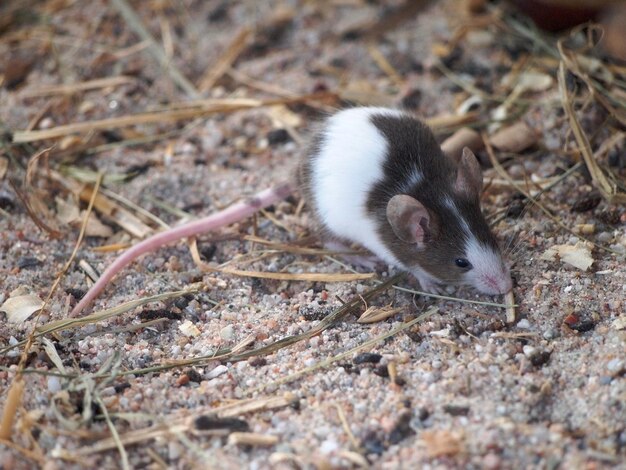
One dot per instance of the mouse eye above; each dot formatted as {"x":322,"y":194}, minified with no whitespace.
{"x":462,"y":263}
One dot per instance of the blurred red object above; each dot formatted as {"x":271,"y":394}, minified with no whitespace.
{"x":557,"y":15}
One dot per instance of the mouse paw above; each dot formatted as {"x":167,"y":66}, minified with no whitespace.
{"x":430,"y":285}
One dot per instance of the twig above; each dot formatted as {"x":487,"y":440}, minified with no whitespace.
{"x":69,"y":89}
{"x":327,"y":362}
{"x":176,"y":113}
{"x":228,"y":58}
{"x":137,"y":26}
{"x":116,"y":436}
{"x":17,"y":386}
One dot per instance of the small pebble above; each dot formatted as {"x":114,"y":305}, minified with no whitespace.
{"x":491,"y":462}
{"x":174,"y":450}
{"x":523,"y":324}
{"x":367,"y":357}
{"x":550,"y":333}
{"x":227,"y":333}
{"x":615,"y":366}
{"x":219,"y":370}
{"x":54,"y":384}
{"x":329,"y":446}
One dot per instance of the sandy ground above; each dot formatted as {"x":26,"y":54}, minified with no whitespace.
{"x":466,"y":389}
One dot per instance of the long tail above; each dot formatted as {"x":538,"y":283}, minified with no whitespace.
{"x":234,"y":213}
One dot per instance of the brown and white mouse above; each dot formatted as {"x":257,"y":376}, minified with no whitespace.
{"x":376,"y":176}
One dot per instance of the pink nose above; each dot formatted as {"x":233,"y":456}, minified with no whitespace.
{"x":498,"y":285}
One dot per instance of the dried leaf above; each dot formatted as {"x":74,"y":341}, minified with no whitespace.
{"x":284,"y":117}
{"x":20,"y":305}
{"x":529,"y":81}
{"x":511,"y":314}
{"x":619,"y":323}
{"x":189,"y":329}
{"x":442,"y":442}
{"x":578,"y":255}
{"x":67,"y":210}
{"x":95,"y":228}
{"x":52,"y":353}
{"x":376,"y":314}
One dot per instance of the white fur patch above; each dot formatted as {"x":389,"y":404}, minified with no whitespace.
{"x":450,"y":204}
{"x":349,"y":164}
{"x":489,"y":274}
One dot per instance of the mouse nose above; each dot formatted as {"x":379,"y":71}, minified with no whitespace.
{"x":496,"y":285}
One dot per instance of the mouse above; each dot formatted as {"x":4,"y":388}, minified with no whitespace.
{"x":376,"y":177}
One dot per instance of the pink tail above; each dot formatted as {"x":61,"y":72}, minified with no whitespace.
{"x":225,"y":217}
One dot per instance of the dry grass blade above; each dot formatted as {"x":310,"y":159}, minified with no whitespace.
{"x":73,"y":88}
{"x":384,"y":65}
{"x":135,"y":23}
{"x":607,"y":187}
{"x":11,"y":404}
{"x":52,"y":232}
{"x":287,"y":248}
{"x":534,"y":200}
{"x":103,"y":204}
{"x":376,"y":314}
{"x":70,"y":323}
{"x":306,"y":277}
{"x":116,"y":436}
{"x":350,"y":352}
{"x":511,"y":314}
{"x":191,"y":110}
{"x":177,"y":425}
{"x":252,"y":439}
{"x":255,"y":404}
{"x":328,"y":321}
{"x":279,"y":276}
{"x":346,"y":427}
{"x":29,"y":454}
{"x":447,"y":121}
{"x":228,"y":58}
{"x":18,"y":385}
{"x":135,"y":437}
{"x":229,"y":355}
{"x":454,"y":299}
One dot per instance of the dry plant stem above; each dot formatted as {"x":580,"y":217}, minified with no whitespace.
{"x":73,"y":88}
{"x":29,"y":454}
{"x":135,"y":23}
{"x":228,"y":58}
{"x":17,"y":386}
{"x":607,"y":187}
{"x":225,"y":217}
{"x":229,"y":354}
{"x":116,"y":436}
{"x":12,"y":403}
{"x":176,"y":112}
{"x":533,"y":199}
{"x":327,"y":362}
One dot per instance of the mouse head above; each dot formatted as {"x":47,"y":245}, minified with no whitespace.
{"x":446,"y":235}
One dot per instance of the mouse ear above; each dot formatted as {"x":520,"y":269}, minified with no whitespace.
{"x":469,"y":176}
{"x":409,"y":219}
